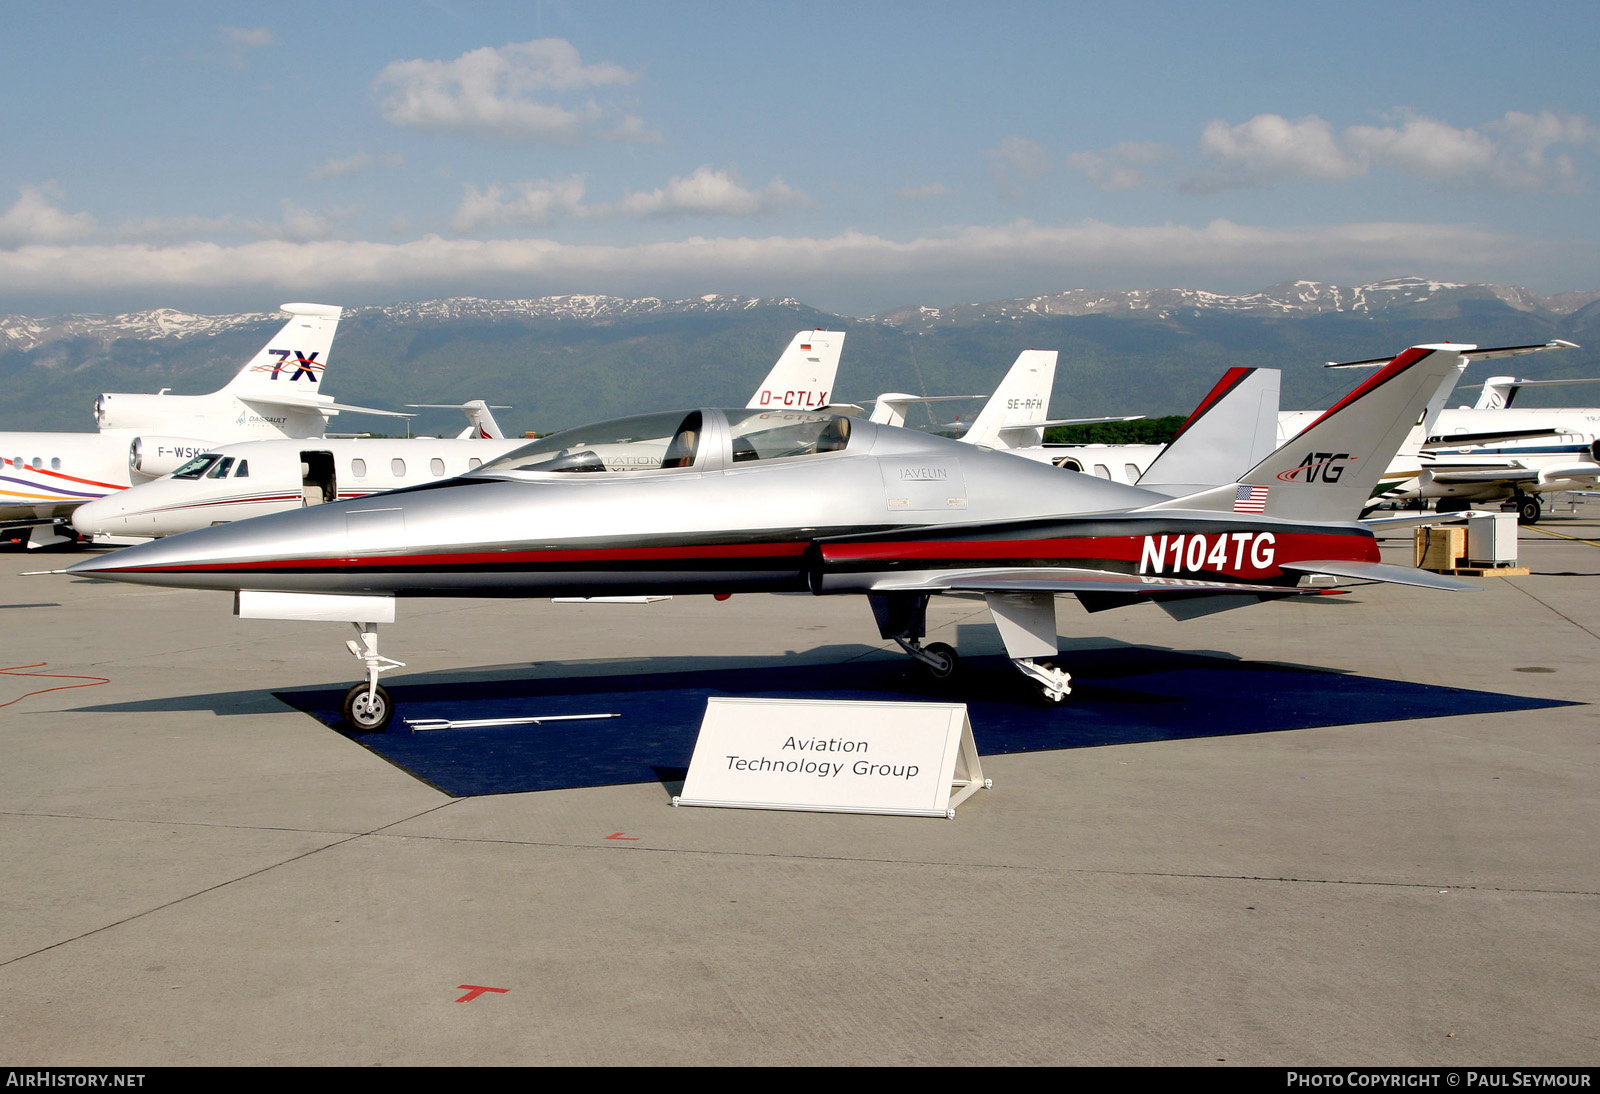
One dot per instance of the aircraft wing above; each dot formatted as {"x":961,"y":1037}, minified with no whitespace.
{"x":1445,"y":443}
{"x":1068,"y":580}
{"x":1497,"y":474}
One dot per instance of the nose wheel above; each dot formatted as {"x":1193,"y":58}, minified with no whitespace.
{"x":368,"y":707}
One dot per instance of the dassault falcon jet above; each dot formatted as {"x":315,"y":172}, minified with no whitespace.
{"x":779,"y":500}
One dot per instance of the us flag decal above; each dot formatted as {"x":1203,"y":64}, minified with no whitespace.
{"x":1250,"y":499}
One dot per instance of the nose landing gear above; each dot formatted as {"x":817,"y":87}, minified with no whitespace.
{"x":368,"y":707}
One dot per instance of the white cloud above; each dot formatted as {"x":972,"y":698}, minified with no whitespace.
{"x":1513,"y":153}
{"x":830,"y":271}
{"x":923,"y":193}
{"x":711,"y":192}
{"x":1017,"y":160}
{"x":36,"y":218}
{"x":300,"y":225}
{"x":238,"y":41}
{"x":706,"y":192}
{"x":346,"y":166}
{"x":539,"y":90}
{"x":172,"y":229}
{"x":1423,"y":146}
{"x":1121,"y":167}
{"x":536,"y":203}
{"x":1270,"y":147}
{"x":1523,"y":161}
{"x":250,"y":37}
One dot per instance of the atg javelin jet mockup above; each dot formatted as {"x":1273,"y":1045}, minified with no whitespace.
{"x":725,"y":501}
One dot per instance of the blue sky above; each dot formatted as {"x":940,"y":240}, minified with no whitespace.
{"x":858,"y":157}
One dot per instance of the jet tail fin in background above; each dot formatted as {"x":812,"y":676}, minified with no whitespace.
{"x":1328,"y":471}
{"x":1017,"y":412}
{"x":803,"y":377}
{"x":1234,"y":428}
{"x":480,"y":418}
{"x":292,"y":363}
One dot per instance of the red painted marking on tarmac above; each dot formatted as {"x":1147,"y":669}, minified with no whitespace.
{"x":619,"y":835}
{"x":475,"y":990}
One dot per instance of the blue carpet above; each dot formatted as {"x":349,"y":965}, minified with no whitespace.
{"x":1120,"y":695}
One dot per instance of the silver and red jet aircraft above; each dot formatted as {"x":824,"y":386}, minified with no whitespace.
{"x":764,"y":500}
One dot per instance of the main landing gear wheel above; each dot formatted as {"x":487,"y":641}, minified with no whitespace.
{"x":944,"y":661}
{"x":1528,"y":509}
{"x":367,"y":709}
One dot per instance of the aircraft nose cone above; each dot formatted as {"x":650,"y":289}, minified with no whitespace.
{"x":97,"y":518}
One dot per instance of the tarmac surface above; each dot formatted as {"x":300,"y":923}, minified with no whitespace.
{"x":197,"y":873}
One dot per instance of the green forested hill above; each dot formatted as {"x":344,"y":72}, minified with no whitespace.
{"x":558,"y":372}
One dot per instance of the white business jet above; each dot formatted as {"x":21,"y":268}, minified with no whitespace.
{"x":44,"y":477}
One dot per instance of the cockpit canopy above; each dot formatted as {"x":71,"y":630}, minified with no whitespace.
{"x":656,"y":442}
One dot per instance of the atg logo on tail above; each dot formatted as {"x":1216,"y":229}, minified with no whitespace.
{"x":1323,"y":466}
{"x":307,"y":367}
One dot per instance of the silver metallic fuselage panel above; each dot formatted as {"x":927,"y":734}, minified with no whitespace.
{"x":717,"y":526}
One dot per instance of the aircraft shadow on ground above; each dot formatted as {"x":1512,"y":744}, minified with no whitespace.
{"x":1122,"y":694}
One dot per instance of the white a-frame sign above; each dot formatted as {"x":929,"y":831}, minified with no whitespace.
{"x":916,"y":759}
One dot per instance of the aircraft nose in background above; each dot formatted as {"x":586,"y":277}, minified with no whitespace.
{"x":100,"y":518}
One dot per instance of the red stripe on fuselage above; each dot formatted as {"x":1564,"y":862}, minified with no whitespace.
{"x":490,"y":558}
{"x":1286,"y":547}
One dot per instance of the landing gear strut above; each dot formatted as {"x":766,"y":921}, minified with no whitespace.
{"x":368,"y":707}
{"x":938,"y":660}
{"x":1027,"y":623}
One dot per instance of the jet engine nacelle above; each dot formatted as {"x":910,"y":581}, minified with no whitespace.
{"x":150,"y":457}
{"x":130,"y":411}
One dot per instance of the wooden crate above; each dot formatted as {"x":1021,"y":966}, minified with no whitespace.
{"x":1439,"y":547}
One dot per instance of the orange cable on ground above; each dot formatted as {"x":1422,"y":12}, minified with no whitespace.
{"x":16,"y":670}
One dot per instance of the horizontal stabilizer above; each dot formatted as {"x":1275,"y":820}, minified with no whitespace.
{"x":1382,"y":571}
{"x":312,"y":402}
{"x":1490,"y":354}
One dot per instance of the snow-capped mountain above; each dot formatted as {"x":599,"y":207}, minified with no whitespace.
{"x":1290,"y":299}
{"x":24,"y":333}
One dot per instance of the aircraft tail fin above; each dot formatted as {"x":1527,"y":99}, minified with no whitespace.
{"x":1016,"y":414}
{"x":480,"y":421}
{"x":1234,"y":428}
{"x":1328,"y":471}
{"x":803,"y":377}
{"x":1499,"y":392}
{"x":292,"y":363}
{"x":480,"y":418}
